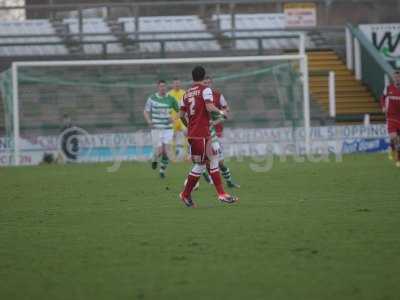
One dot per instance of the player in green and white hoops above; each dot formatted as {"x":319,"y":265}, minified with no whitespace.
{"x":217,"y":148}
{"x":157,"y":113}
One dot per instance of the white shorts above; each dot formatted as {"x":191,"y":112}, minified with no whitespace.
{"x":161,"y":136}
{"x":217,"y":149}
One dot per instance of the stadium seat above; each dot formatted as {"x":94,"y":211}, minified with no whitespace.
{"x":259,"y":22}
{"x":95,"y":25}
{"x":29,"y":27}
{"x":171,"y":24}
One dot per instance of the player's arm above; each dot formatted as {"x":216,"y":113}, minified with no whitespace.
{"x":175,"y":105}
{"x":225,"y":106}
{"x":208,"y":98}
{"x":147,"y":118}
{"x":383,"y":101}
{"x":217,"y":121}
{"x":182,"y":113}
{"x":146,"y":112}
{"x":182,"y":116}
{"x":212,"y":108}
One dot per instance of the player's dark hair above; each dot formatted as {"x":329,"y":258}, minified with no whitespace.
{"x":161,"y":81}
{"x":198,"y":73}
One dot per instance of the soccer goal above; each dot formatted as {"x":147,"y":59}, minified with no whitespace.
{"x":106,"y":97}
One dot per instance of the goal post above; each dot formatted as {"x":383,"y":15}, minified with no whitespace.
{"x":234,"y":74}
{"x":15,"y":115}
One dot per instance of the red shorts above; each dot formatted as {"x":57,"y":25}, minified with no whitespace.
{"x":393,"y":126}
{"x":200,"y":150}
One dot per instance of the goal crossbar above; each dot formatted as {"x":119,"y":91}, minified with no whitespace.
{"x":153,"y":61}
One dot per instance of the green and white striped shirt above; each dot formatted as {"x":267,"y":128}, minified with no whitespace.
{"x":159,"y":108}
{"x":213,"y":132}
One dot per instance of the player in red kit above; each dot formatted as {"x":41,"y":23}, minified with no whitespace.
{"x":195,"y":112}
{"x":390,"y":102}
{"x":217,"y":133}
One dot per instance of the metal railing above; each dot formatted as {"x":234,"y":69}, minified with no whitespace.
{"x":132,"y":33}
{"x":133,"y":38}
{"x":136,"y":43}
{"x":368,"y":64}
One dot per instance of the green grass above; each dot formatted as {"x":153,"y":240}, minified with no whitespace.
{"x":300,"y":231}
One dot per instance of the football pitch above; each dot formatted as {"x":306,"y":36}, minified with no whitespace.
{"x":301,"y":231}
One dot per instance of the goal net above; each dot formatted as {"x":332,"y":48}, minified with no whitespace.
{"x":104,"y":101}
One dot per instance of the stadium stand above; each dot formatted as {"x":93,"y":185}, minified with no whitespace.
{"x":42,"y":113}
{"x":95,"y":26}
{"x":33,"y":28}
{"x":352,"y":97}
{"x":174,"y":27}
{"x":154,"y":24}
{"x":254,"y":24}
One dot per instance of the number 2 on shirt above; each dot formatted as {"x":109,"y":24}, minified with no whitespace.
{"x":192,"y":102}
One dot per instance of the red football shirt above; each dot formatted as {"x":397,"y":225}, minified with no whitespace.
{"x":390,"y":100}
{"x":220,"y":103}
{"x":194,"y":105}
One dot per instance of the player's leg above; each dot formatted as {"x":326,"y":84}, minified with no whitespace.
{"x":395,"y":137}
{"x":197,"y":149}
{"x":206,"y":175}
{"x":186,"y":146}
{"x":393,"y":129}
{"x":166,"y":140}
{"x":191,"y":181}
{"x":156,"y":142}
{"x":226,"y":173}
{"x":156,"y":157}
{"x":216,"y":176}
{"x":392,"y":145}
{"x":392,"y":150}
{"x":180,"y":141}
{"x":173,"y":157}
{"x":164,"y":160}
